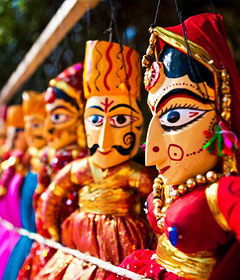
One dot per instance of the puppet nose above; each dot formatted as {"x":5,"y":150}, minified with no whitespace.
{"x":105,"y":137}
{"x":155,"y":147}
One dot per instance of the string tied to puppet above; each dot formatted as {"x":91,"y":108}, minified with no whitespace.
{"x":224,"y":142}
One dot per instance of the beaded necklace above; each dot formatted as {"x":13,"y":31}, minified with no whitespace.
{"x":161,"y":203}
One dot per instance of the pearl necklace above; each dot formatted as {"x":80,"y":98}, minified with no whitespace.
{"x":161,"y":204}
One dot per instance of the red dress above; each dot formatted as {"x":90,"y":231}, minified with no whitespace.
{"x":200,"y":231}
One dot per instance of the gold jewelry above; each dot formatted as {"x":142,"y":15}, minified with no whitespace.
{"x":148,"y":57}
{"x":161,"y":203}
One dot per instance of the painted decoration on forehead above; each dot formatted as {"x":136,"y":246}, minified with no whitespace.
{"x":165,"y":76}
{"x":34,"y":116}
{"x":113,"y":120}
{"x":65,"y":101}
{"x":192,"y":140}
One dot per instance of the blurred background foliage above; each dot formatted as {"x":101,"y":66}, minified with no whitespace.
{"x":22,"y":21}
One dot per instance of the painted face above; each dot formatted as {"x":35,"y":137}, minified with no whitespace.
{"x":113,"y":127}
{"x":15,"y":139}
{"x":61,"y":124}
{"x":177,"y":131}
{"x":34,"y":131}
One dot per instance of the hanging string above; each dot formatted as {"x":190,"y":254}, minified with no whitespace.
{"x":113,"y":15}
{"x":110,"y":28}
{"x":113,"y":18}
{"x":193,"y":68}
{"x":154,"y":24}
{"x":76,"y":253}
{"x":217,"y":17}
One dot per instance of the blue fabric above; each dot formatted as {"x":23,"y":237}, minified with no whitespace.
{"x":24,"y":245}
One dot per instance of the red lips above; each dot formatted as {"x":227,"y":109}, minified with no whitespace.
{"x":164,"y":169}
{"x":104,"y":153}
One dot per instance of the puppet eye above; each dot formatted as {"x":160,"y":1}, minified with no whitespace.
{"x":95,"y":120}
{"x":36,"y":125}
{"x":122,"y":120}
{"x":59,"y":118}
{"x":177,"y":118}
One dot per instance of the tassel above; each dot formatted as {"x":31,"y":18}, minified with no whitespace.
{"x":143,"y":146}
{"x":224,"y":142}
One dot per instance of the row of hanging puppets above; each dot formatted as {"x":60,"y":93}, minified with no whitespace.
{"x":67,"y":171}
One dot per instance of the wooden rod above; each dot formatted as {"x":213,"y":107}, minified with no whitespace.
{"x":62,"y":22}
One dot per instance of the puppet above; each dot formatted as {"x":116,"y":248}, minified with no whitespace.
{"x":11,"y":181}
{"x":192,"y":140}
{"x":34,"y":116}
{"x":108,"y":223}
{"x":64,"y":107}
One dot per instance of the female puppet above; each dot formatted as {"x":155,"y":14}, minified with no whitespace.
{"x":11,"y":182}
{"x":108,"y":223}
{"x":64,"y":106}
{"x":194,"y":206}
{"x":34,"y":116}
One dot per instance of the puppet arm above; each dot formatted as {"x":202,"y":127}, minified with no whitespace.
{"x":52,"y":200}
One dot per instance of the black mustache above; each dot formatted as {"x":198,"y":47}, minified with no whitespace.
{"x":128,"y":138}
{"x":93,"y":149}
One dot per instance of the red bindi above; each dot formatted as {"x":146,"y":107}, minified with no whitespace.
{"x":155,"y":149}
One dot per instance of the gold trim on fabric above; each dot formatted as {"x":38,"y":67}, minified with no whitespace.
{"x":111,"y":192}
{"x":197,"y":266}
{"x":197,"y":53}
{"x":121,"y":201}
{"x":69,"y":90}
{"x":212,"y":200}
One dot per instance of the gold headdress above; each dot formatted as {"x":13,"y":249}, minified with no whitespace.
{"x":33,"y":103}
{"x":15,"y":116}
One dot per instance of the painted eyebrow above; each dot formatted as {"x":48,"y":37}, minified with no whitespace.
{"x":96,"y":107}
{"x":61,"y":107}
{"x":181,"y":93}
{"x":123,"y":105}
